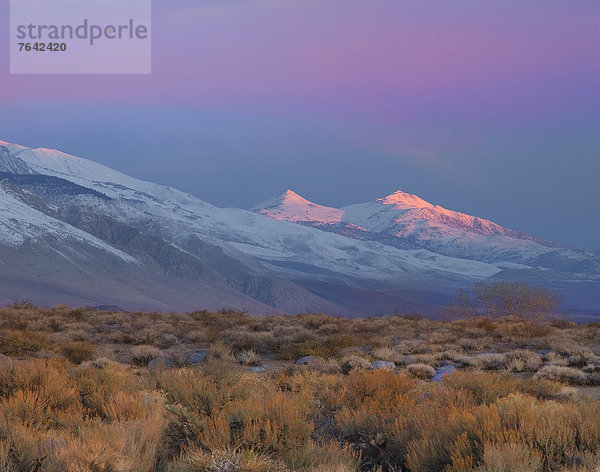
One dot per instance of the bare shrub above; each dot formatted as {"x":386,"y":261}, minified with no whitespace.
{"x":20,"y":343}
{"x":516,"y":299}
{"x":143,"y":354}
{"x":78,"y":351}
{"x":523,"y":361}
{"x":222,"y":460}
{"x":490,"y":361}
{"x":510,"y":458}
{"x":350,"y":363}
{"x":387,"y":354}
{"x":421,"y":371}
{"x":566,"y":375}
{"x":122,"y":445}
{"x":249,"y":357}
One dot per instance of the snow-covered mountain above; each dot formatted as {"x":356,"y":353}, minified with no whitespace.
{"x":74,"y":231}
{"x":407,"y":221}
{"x":290,"y":206}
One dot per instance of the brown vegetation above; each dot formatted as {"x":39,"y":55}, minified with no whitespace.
{"x":76,"y":393}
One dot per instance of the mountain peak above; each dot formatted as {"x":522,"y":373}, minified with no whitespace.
{"x":13,"y":148}
{"x":290,"y":206}
{"x":405,"y":200}
{"x":287,"y":197}
{"x":291,"y":196}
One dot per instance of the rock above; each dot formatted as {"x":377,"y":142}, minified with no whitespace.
{"x":160,"y":362}
{"x":543,"y":352}
{"x":5,"y":362}
{"x":406,"y":360}
{"x":197,"y":357}
{"x":307,"y":360}
{"x":262,"y":368}
{"x":383,"y":365}
{"x":443,"y":371}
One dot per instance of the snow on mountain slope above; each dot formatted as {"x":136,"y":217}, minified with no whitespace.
{"x":93,"y":175}
{"x":403,"y":219}
{"x":10,"y":163}
{"x":402,"y":213}
{"x":391,"y":249}
{"x":407,"y":215}
{"x":292,"y":207}
{"x":20,"y":223}
{"x":278,"y":245}
{"x":407,"y":221}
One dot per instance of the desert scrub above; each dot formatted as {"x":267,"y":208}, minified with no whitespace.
{"x":421,"y":371}
{"x":197,"y":460}
{"x":352,"y":362}
{"x":566,"y":375}
{"x":522,"y":360}
{"x":249,"y":357}
{"x":489,"y":361}
{"x":78,"y":351}
{"x":387,"y":354}
{"x":510,"y":457}
{"x":60,"y":412}
{"x":143,"y":354}
{"x":24,"y":342}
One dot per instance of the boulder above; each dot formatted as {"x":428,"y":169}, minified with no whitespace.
{"x":307,"y":360}
{"x":197,"y":357}
{"x":383,"y":365}
{"x":443,"y":371}
{"x":406,"y":360}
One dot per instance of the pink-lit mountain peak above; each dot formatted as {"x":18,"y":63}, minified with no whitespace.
{"x":399,"y":215}
{"x":414,"y":208}
{"x":406,"y":201}
{"x":290,"y":206}
{"x":404,"y":215}
{"x":403,"y":200}
{"x":292,"y":197}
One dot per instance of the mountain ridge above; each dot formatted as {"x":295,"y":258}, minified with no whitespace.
{"x":407,"y":221}
{"x":257,"y":262}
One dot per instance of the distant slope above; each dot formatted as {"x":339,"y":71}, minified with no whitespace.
{"x":292,"y":207}
{"x":74,"y":229}
{"x":407,"y":221}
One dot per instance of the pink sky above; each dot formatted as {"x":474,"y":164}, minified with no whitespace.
{"x":447,"y":99}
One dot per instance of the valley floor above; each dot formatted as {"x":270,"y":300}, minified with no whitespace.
{"x":87,"y":390}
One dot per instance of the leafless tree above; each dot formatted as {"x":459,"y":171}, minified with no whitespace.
{"x":515,"y":299}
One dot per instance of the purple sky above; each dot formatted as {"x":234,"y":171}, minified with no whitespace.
{"x":492,"y":108}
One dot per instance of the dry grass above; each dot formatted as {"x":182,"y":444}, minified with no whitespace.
{"x":77,"y":395}
{"x":421,"y":371}
{"x":562,"y":374}
{"x":249,"y":357}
